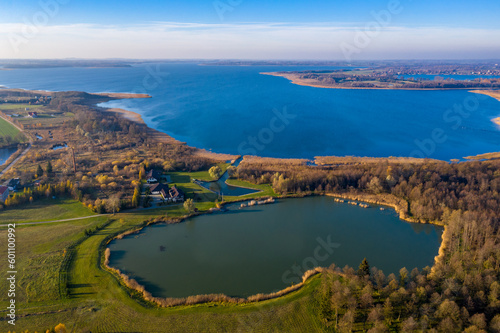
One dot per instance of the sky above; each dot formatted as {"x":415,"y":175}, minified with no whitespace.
{"x":250,"y":29}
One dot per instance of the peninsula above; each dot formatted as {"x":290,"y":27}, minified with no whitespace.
{"x":492,"y":93}
{"x":423,"y":77}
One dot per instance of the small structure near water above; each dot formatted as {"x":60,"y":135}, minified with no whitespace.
{"x":354,"y":203}
{"x":258,"y":202}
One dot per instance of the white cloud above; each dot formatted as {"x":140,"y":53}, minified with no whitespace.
{"x":245,"y":41}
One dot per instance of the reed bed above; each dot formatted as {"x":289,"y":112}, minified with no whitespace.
{"x":336,"y":160}
{"x":256,"y":160}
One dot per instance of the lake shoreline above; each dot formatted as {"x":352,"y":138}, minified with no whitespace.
{"x":294,"y":79}
{"x":492,"y":93}
{"x":154,"y":133}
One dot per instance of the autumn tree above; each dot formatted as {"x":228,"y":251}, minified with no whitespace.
{"x":189,"y":206}
{"x":215,"y":172}
{"x":61,"y":328}
{"x":142,"y":173}
{"x":409,"y":326}
{"x":346,"y":323}
{"x":136,"y":198}
{"x":113,"y":204}
{"x":231,"y":171}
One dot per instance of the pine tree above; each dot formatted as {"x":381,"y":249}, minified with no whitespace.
{"x":364,"y":268}
{"x":39,"y":171}
{"x":49,"y":168}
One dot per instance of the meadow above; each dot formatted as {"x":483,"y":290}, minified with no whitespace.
{"x":6,"y":129}
{"x":97,"y":301}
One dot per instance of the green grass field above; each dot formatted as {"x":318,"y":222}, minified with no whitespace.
{"x":6,"y":129}
{"x":204,"y":175}
{"x":45,"y":210}
{"x":13,"y":107}
{"x":184,"y":181}
{"x":98,"y":302}
{"x":265,"y":190}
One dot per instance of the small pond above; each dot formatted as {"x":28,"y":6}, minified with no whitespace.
{"x":262,"y":249}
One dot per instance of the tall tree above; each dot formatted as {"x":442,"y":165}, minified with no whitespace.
{"x":113,"y":204}
{"x":39,"y":171}
{"x":49,"y":168}
{"x":136,"y":198}
{"x":215,"y":172}
{"x":364,"y":268}
{"x":189,"y":206}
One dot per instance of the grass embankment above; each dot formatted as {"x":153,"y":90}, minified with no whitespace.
{"x":98,"y":302}
{"x":265,"y":190}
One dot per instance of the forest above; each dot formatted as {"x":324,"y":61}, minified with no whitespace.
{"x":461,"y":292}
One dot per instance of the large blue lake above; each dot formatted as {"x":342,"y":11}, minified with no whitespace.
{"x":234,"y":109}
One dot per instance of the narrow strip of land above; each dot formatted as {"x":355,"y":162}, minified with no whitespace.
{"x":377,"y":80}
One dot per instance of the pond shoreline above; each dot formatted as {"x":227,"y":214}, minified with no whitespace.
{"x":210,"y":298}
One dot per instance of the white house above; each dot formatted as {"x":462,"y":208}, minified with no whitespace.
{"x":153,"y":176}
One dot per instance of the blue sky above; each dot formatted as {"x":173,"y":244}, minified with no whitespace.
{"x":254,"y":29}
{"x":452,"y":13}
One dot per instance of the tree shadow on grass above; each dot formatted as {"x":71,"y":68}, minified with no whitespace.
{"x":180,"y":179}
